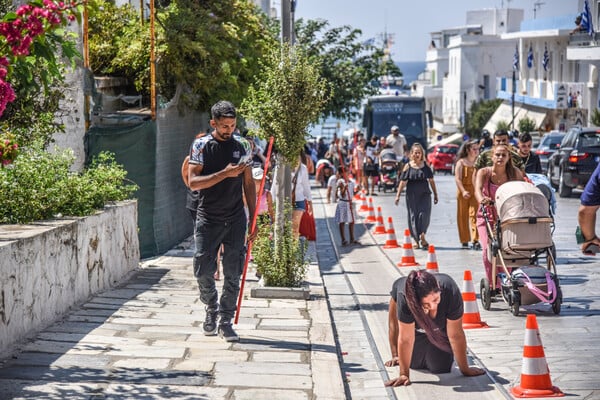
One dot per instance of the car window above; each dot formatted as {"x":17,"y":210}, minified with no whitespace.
{"x":590,"y":139}
{"x":568,"y":141}
{"x":447,"y":150}
{"x":554,"y":142}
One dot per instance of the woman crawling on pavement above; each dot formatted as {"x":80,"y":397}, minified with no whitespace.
{"x":425,"y":323}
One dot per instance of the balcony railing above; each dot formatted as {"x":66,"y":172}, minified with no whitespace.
{"x":583,"y":39}
{"x":540,"y":93}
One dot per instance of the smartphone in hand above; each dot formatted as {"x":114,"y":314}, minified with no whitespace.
{"x":245,"y":160}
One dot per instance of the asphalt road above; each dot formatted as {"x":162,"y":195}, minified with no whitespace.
{"x":570,"y":339}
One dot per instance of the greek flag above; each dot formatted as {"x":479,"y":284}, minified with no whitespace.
{"x":586,"y":19}
{"x":530,"y":57}
{"x":516,"y":58}
{"x":546,"y":59}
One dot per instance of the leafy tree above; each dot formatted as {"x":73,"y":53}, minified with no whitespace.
{"x":346,"y":63}
{"x":288,"y":96}
{"x":479,"y":114}
{"x":119,"y":43}
{"x":208,"y":50}
{"x":526,"y":125}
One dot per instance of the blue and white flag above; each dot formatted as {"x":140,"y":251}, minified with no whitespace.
{"x":586,"y":19}
{"x":516,"y":58}
{"x":546,"y":59}
{"x":530,"y":57}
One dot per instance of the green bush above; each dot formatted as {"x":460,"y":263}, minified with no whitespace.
{"x":595,"y":118}
{"x":281,"y":264}
{"x":526,"y":125}
{"x":503,"y":126}
{"x":39,"y":185}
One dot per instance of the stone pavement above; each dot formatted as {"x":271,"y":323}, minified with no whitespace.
{"x":143,"y":340}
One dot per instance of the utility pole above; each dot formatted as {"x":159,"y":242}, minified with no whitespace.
{"x":514,"y":89}
{"x":286,"y":21}
{"x":283,"y":171}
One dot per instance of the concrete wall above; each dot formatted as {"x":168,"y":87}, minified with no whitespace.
{"x":47,"y":267}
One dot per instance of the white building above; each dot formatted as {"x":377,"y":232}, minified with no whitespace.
{"x":463,"y":63}
{"x":584,"y":50}
{"x":546,"y":89}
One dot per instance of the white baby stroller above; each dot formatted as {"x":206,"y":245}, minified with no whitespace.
{"x":520,"y":238}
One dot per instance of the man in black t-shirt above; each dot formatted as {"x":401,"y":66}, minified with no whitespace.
{"x":219,"y":168}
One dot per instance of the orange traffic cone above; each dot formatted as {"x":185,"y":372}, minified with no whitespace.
{"x":535,"y":375}
{"x":471,"y":318}
{"x":364,"y":207}
{"x":432,"y":265}
{"x":371,"y":216}
{"x":379,"y":228}
{"x":390,"y":241}
{"x":408,"y":256}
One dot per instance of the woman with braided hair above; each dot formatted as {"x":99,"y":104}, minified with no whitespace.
{"x":425,"y":323}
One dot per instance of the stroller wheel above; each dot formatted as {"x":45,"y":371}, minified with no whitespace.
{"x":516,"y":304}
{"x":485,"y":294}
{"x":557,"y":302}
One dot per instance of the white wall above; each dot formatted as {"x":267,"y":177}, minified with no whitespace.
{"x":50,"y":266}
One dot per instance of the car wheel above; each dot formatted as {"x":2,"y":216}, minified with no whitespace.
{"x":563,"y":189}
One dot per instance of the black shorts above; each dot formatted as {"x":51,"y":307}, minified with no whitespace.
{"x":427,"y":356}
{"x":371,"y":170}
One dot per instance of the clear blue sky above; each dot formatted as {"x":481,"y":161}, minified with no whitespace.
{"x":412,"y":20}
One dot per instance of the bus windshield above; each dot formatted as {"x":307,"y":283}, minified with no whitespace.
{"x":407,"y":115}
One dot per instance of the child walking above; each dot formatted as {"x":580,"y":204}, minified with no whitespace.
{"x":344,"y":212}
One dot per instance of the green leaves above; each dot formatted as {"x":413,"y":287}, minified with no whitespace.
{"x":280,"y":262}
{"x":346,"y":63}
{"x":479,"y":115}
{"x":39,"y":185}
{"x":288,"y":96}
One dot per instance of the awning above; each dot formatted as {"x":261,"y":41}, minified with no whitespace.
{"x":504,"y":113}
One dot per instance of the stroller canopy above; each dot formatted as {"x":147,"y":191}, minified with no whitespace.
{"x":519,"y":199}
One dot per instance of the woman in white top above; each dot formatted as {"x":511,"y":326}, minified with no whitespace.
{"x":301,"y":193}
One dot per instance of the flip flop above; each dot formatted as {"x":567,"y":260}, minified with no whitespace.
{"x":355,"y":242}
{"x":344,"y":243}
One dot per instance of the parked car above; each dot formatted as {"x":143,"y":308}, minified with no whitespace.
{"x":548,"y":145}
{"x":573,"y":162}
{"x":441,"y":157}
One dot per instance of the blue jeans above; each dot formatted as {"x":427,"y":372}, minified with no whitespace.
{"x":209,"y":236}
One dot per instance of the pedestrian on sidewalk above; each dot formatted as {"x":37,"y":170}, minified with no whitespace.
{"x":425,"y":326}
{"x":417,"y":177}
{"x":466,"y":203}
{"x":344,"y":210}
{"x":219,"y":170}
{"x":487,"y":181}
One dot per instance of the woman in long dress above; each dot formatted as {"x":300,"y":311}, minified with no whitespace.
{"x":466,"y":203}
{"x":417,"y":177}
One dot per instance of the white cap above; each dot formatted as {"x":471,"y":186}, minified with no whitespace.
{"x":257,"y":173}
{"x":395,"y":128}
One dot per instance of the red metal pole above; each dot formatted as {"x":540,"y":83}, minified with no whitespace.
{"x":252,"y":227}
